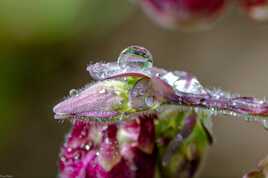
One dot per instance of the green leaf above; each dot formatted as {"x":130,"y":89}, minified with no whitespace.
{"x":185,"y":157}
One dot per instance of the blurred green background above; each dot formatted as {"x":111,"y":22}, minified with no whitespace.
{"x":45,"y":46}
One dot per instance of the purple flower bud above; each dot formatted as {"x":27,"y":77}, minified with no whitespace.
{"x":98,"y":100}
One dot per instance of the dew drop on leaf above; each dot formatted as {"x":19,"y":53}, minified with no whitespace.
{"x":135,"y":57}
{"x":140,"y":96}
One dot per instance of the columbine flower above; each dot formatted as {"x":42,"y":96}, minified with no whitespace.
{"x":140,"y":121}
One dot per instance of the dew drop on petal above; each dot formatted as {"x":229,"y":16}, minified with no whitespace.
{"x":63,"y":159}
{"x":77,"y":156}
{"x":87,"y":147}
{"x":102,"y":91}
{"x":69,"y":149}
{"x":184,"y":82}
{"x":140,"y":96}
{"x":101,"y":71}
{"x":135,"y":57}
{"x":188,"y":83}
{"x":73,"y":92}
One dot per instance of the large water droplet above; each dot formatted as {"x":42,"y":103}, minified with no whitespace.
{"x":140,"y":96}
{"x":135,"y":57}
{"x":188,"y":83}
{"x":184,"y":82}
{"x":73,"y":92}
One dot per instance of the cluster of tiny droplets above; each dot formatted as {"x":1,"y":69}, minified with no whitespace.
{"x":138,"y":57}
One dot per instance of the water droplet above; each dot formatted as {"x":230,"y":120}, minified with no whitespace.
{"x":60,"y":121}
{"x":170,"y":78}
{"x":77,"y":156}
{"x":69,"y":149}
{"x":97,"y":154}
{"x":101,"y":71}
{"x":102,"y":91}
{"x":218,"y":93}
{"x":157,"y":74}
{"x":63,"y":159}
{"x":149,"y":101}
{"x":188,"y":83}
{"x":87,"y":147}
{"x":265,"y":124}
{"x":135,"y":57}
{"x":73,"y":92}
{"x":140,"y":96}
{"x":183,"y":82}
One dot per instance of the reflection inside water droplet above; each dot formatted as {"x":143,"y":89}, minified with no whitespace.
{"x":73,"y":92}
{"x":149,"y":101}
{"x":87,"y":147}
{"x":135,"y":57}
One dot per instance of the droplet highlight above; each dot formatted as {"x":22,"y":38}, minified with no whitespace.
{"x":184,"y":82}
{"x":135,"y":57}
